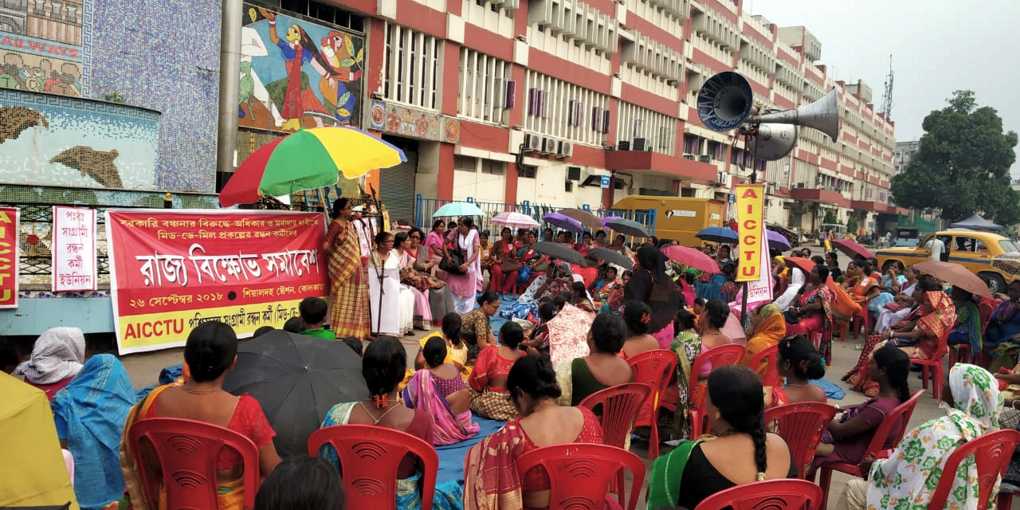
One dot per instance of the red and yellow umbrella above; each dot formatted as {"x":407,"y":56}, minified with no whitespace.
{"x":307,"y":159}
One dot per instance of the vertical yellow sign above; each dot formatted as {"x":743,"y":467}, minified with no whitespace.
{"x":750,"y":229}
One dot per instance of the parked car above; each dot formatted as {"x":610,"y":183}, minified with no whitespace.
{"x":994,"y":258}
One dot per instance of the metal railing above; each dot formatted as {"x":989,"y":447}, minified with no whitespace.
{"x":425,"y":207}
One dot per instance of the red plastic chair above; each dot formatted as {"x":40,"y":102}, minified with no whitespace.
{"x":187,"y":451}
{"x":654,"y":368}
{"x":800,"y":425}
{"x":618,"y":409}
{"x":933,"y":367}
{"x":714,"y":358}
{"x":581,"y":475}
{"x":992,"y":453}
{"x":889,"y":432}
{"x":770,"y":494}
{"x":769,"y":357}
{"x":369,"y":459}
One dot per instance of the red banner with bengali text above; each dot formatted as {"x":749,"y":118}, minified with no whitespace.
{"x":170,"y":270}
{"x":9,"y":257}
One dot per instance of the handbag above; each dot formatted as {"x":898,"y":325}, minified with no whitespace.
{"x":452,"y":261}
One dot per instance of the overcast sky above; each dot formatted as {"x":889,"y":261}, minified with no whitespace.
{"x":938,"y":46}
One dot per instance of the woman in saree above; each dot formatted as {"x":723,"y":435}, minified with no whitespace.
{"x":768,"y":327}
{"x":210,"y":352}
{"x":425,"y":268}
{"x":348,"y":275}
{"x":1005,"y":321}
{"x":637,"y":316}
{"x":383,"y":366}
{"x":57,"y":356}
{"x":439,"y":391}
{"x":650,"y":284}
{"x":465,"y":286}
{"x":737,"y":451}
{"x":799,"y":364}
{"x":435,"y":242}
{"x":392,"y":309}
{"x":417,"y":284}
{"x":902,"y":304}
{"x":488,"y":379}
{"x":90,"y":414}
{"x":906,"y":479}
{"x":686,"y":346}
{"x":504,"y":264}
{"x":967,"y":329}
{"x":918,"y":334}
{"x":813,"y":310}
{"x":491,"y":479}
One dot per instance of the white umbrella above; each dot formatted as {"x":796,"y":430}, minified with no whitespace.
{"x":515,"y":219}
{"x":458,"y":209}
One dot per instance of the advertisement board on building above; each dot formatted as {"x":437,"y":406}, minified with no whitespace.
{"x":174,"y":269}
{"x":74,"y":249}
{"x":9,"y":257}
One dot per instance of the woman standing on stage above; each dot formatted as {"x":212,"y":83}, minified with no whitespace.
{"x":348,"y":275}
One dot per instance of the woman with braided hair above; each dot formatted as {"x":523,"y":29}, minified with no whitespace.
{"x":738,"y":451}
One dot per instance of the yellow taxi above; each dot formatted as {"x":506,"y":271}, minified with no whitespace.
{"x":994,"y":258}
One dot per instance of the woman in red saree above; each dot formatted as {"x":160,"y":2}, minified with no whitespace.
{"x":813,"y":309}
{"x":491,"y":480}
{"x":504,"y":264}
{"x":348,"y":275}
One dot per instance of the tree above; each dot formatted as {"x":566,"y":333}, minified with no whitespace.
{"x":851,"y":224}
{"x":830,"y":216}
{"x":962,"y":166}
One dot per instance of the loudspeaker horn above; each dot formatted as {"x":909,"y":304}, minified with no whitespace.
{"x":725,"y":101}
{"x":773,"y":141}
{"x":822,"y":115}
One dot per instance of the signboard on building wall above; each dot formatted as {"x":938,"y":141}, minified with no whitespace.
{"x":750,"y":222}
{"x":41,"y":46}
{"x":171,"y":270}
{"x":295,"y":73}
{"x":76,"y":143}
{"x":74,"y":249}
{"x":9,"y":257}
{"x":400,"y":120}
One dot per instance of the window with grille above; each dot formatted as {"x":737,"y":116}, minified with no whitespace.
{"x":485,"y":87}
{"x":564,"y":110}
{"x":410,"y":67}
{"x":657,"y":130}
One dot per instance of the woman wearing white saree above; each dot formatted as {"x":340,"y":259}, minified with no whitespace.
{"x":391,"y":317}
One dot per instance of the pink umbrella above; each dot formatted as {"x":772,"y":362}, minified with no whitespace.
{"x":691,"y":257}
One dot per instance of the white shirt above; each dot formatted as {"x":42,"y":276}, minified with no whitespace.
{"x":937,"y":247}
{"x":796,"y":283}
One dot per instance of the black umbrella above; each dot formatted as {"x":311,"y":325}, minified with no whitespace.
{"x":628,"y":227}
{"x":296,"y":379}
{"x":611,"y":256}
{"x":560,"y":251}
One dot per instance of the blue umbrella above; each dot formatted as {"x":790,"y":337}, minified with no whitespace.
{"x":717,"y":235}
{"x":458,"y":209}
{"x":777,"y":241}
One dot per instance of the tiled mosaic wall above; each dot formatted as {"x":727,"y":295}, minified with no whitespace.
{"x":44,"y":45}
{"x":164,"y":55}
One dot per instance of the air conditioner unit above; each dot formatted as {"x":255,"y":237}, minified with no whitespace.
{"x":623,"y":145}
{"x":705,"y":158}
{"x":549,"y":146}
{"x":566,"y":150}
{"x":532,"y":143}
{"x":573,"y":172}
{"x":688,"y":155}
{"x":639,"y":144}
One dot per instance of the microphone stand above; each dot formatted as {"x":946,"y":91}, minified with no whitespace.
{"x":380,"y":271}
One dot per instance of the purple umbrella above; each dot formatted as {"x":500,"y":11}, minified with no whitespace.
{"x":563,"y":221}
{"x":777,"y":241}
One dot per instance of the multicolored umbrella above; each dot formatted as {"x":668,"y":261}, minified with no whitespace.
{"x":458,"y":209}
{"x":307,"y":159}
{"x":514,"y":220}
{"x":717,"y":235}
{"x":691,"y":257}
{"x":562,"y":221}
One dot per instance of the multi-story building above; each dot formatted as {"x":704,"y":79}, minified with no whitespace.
{"x":536,"y":100}
{"x":903,"y":153}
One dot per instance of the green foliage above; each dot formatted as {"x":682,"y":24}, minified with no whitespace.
{"x":830,"y":216}
{"x":851,"y":224}
{"x":963,"y":164}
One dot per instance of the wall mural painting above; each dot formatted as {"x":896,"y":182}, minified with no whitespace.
{"x":41,"y":46}
{"x":296,"y":74}
{"x":68,"y":142}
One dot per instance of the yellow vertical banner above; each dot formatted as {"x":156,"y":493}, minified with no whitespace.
{"x":750,"y":229}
